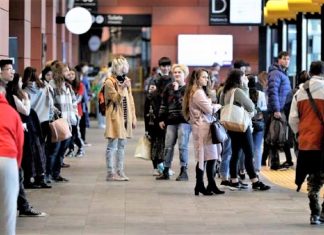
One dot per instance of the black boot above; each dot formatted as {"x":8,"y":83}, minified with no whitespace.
{"x":183,"y":176}
{"x":200,"y":187}
{"x":165,"y":174}
{"x":40,"y":181}
{"x":212,"y":187}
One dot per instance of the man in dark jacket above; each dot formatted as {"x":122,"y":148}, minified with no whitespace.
{"x":278,"y":89}
{"x":151,"y":113}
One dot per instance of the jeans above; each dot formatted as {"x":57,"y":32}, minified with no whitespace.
{"x":181,"y":132}
{"x":226,"y":158}
{"x":8,"y":195}
{"x":257,"y":141}
{"x":57,"y":155}
{"x":242,"y":141}
{"x":115,"y":152}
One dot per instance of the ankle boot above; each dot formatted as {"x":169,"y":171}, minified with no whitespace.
{"x":183,"y":176}
{"x":200,"y":187}
{"x":165,"y":174}
{"x":210,"y":168}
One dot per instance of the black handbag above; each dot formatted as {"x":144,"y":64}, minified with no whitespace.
{"x":218,"y":132}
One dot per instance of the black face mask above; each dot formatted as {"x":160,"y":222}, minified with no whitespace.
{"x":121,"y":78}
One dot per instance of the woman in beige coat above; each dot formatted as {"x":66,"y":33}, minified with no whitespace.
{"x":198,"y":108}
{"x":120,"y":118}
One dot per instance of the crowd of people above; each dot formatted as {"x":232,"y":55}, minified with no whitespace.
{"x":177,"y":104}
{"x":28,"y":155}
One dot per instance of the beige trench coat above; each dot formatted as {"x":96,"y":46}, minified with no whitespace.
{"x":114,"y":94}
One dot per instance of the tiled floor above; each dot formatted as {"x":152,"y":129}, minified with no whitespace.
{"x":89,"y":205}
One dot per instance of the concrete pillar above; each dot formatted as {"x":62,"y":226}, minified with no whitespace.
{"x":38,"y":22}
{"x":20,"y":27}
{"x":4,"y":19}
{"x":51,"y":32}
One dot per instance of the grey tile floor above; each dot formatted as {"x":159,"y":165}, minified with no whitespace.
{"x":89,"y":205}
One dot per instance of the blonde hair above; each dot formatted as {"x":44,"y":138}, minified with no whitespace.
{"x":118,"y":65}
{"x":182,"y":67}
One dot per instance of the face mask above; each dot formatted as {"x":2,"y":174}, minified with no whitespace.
{"x":121,"y":78}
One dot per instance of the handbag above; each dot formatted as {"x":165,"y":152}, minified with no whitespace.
{"x":234,"y":117}
{"x":218,"y":132}
{"x":60,"y":130}
{"x":143,"y":148}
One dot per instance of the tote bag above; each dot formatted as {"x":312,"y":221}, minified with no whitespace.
{"x":233,"y":117}
{"x":60,"y":130}
{"x":143,"y":148}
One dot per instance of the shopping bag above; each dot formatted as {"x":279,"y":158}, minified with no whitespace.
{"x":143,"y":148}
{"x":60,"y":130}
{"x":234,"y":117}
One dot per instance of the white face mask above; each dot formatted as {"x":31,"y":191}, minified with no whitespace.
{"x":85,"y":69}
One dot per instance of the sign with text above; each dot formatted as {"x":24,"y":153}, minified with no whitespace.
{"x":91,"y":5}
{"x":218,"y":12}
{"x":235,"y":12}
{"x":122,"y":20}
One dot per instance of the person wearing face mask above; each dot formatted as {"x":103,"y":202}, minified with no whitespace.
{"x":120,"y":118}
{"x":171,"y":119}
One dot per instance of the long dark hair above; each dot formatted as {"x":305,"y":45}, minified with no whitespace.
{"x":30,"y":76}
{"x":13,"y":87}
{"x":253,"y":92}
{"x":76,"y":82}
{"x":233,"y":80}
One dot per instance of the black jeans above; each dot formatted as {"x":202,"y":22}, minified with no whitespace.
{"x":242,"y":141}
{"x":22,"y":203}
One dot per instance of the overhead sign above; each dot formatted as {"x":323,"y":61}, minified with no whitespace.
{"x":91,"y":5}
{"x":235,"y":12}
{"x":122,"y":20}
{"x":218,"y":12}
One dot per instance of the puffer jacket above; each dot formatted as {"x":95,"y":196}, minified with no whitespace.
{"x":278,"y":88}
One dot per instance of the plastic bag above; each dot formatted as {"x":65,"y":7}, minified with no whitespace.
{"x":143,"y":148}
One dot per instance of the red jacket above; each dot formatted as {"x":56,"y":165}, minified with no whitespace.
{"x":11,"y":132}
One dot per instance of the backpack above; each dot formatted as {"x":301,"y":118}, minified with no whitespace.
{"x":101,"y":97}
{"x":277,"y":134}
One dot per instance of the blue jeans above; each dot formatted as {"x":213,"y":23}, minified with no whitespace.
{"x":57,"y":155}
{"x":115,"y":152}
{"x":226,"y":158}
{"x":181,"y":132}
{"x":257,"y":141}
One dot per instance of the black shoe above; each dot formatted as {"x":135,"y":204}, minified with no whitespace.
{"x":225,"y":183}
{"x":60,"y":179}
{"x":200,"y":188}
{"x":45,"y":185}
{"x":315,"y":220}
{"x":31,"y":186}
{"x":260,"y":186}
{"x":65,"y":165}
{"x":165,"y":174}
{"x":238,"y":185}
{"x":183,"y":176}
{"x":80,"y":153}
{"x":286,"y":164}
{"x":31,"y":212}
{"x":214,"y":189}
{"x":242,"y":175}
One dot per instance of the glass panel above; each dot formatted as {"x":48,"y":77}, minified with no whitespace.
{"x":313,"y":40}
{"x":292,"y":49}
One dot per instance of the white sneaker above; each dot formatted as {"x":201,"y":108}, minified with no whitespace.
{"x":120,"y":176}
{"x":156,"y":172}
{"x":171,"y":172}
